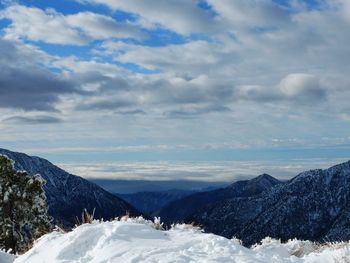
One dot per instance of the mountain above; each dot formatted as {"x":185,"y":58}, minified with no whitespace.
{"x":182,"y":209}
{"x":67,"y":194}
{"x":314,"y":205}
{"x":135,"y":186}
{"x":148,"y":202}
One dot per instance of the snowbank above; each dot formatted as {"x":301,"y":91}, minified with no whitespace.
{"x":6,"y":258}
{"x":138,"y":241}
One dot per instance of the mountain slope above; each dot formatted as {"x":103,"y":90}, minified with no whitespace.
{"x":314,"y":205}
{"x":182,"y":209}
{"x":148,"y":202}
{"x":67,"y":194}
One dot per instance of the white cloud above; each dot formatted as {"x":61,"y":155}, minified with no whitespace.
{"x":295,"y":85}
{"x":224,"y":171}
{"x":182,"y":16}
{"x":342,"y":5}
{"x":171,"y":57}
{"x":92,"y":67}
{"x":37,"y":25}
{"x":262,"y":72}
{"x":98,"y":26}
{"x":245,"y":14}
{"x":52,"y":27}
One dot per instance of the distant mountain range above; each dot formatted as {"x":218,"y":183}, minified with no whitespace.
{"x":136,"y":186}
{"x":68,"y":194}
{"x":314,"y":205}
{"x":182,"y":209}
{"x":148,"y":202}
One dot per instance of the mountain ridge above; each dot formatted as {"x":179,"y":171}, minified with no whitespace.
{"x":68,"y":194}
{"x":314,"y":205}
{"x":177,"y":212}
{"x":149,"y":202}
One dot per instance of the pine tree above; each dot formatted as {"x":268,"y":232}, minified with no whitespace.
{"x":23,"y":209}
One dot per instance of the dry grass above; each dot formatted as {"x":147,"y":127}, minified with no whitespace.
{"x":86,"y":218}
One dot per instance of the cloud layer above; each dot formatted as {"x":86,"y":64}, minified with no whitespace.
{"x":53,"y":27}
{"x":24,"y":84}
{"x":245,"y":73}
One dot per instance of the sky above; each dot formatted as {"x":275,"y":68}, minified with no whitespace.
{"x":96,"y":81}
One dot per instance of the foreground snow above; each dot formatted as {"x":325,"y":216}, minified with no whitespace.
{"x":136,"y":240}
{"x":6,"y":258}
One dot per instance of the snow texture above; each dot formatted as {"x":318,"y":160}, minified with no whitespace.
{"x":136,"y":240}
{"x":6,"y":258}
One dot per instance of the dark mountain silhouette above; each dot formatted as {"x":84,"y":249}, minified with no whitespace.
{"x":179,"y":210}
{"x":67,"y":194}
{"x":148,"y":202}
{"x":315,"y":205}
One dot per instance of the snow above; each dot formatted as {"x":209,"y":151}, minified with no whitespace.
{"x":6,"y":258}
{"x":137,"y":240}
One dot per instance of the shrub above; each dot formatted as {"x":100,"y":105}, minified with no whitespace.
{"x":23,"y":209}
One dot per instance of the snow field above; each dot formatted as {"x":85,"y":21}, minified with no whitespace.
{"x":6,"y":258}
{"x":136,"y":240}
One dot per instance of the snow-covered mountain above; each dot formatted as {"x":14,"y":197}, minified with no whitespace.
{"x":136,"y":240}
{"x":68,"y":194}
{"x":315,"y":205}
{"x":180,"y":210}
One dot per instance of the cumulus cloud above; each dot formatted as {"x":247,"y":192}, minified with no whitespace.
{"x":301,"y":86}
{"x":177,"y":90}
{"x":298,"y":87}
{"x":98,"y":26}
{"x":241,"y":73}
{"x":258,"y":93}
{"x":38,"y":25}
{"x":88,"y":69}
{"x":194,"y":56}
{"x":182,"y":16}
{"x":52,"y":27}
{"x":31,"y":89}
{"x":195,"y":96}
{"x":25,"y":85}
{"x":244,"y":14}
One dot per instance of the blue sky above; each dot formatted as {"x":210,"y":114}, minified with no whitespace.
{"x":185,"y":80}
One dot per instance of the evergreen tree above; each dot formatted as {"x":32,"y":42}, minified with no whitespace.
{"x":23,"y":209}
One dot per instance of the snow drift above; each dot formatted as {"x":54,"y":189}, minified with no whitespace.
{"x":137,"y":240}
{"x":6,"y":258}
